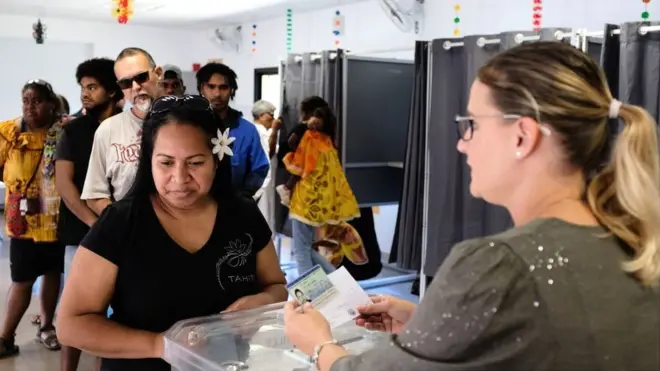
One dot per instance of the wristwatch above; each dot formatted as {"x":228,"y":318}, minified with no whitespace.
{"x":318,"y":349}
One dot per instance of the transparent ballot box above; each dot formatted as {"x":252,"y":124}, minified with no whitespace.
{"x":251,"y":340}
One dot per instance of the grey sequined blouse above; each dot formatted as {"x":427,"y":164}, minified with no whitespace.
{"x":547,"y":296}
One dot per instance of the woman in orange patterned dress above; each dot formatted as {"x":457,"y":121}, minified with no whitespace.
{"x":320,"y":193}
{"x":27,"y":146}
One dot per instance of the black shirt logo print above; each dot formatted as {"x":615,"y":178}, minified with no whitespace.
{"x":236,"y":255}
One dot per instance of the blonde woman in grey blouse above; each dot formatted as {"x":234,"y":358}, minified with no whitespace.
{"x":573,"y":285}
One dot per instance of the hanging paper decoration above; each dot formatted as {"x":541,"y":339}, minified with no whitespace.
{"x":123,"y":10}
{"x":39,"y":32}
{"x":289,"y":30}
{"x":537,"y":14}
{"x":457,"y":19}
{"x":254,"y":38}
{"x":645,"y":13}
{"x":338,"y":27}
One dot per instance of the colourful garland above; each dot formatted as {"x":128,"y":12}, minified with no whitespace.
{"x":457,"y":19}
{"x":289,"y":30}
{"x":645,"y":13}
{"x":537,"y":14}
{"x":338,"y":27}
{"x":123,"y":10}
{"x":254,"y":38}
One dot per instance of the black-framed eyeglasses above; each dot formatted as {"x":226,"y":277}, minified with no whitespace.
{"x":193,"y":102}
{"x":127,"y":82}
{"x":43,"y":83}
{"x":465,"y":124}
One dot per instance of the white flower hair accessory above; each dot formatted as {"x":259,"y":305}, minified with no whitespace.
{"x":221,"y":144}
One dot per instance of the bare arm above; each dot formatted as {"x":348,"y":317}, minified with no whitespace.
{"x":272,"y":144}
{"x":270,"y":274}
{"x":81,"y":316}
{"x":98,"y":204}
{"x":271,"y":278}
{"x":97,"y":189}
{"x":272,"y":139}
{"x":70,"y":194}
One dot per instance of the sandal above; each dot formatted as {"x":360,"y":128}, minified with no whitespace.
{"x":8,"y":348}
{"x":48,"y":338}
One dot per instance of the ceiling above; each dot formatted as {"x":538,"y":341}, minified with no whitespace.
{"x":177,"y":13}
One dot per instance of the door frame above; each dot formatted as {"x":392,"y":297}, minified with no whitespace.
{"x":258,"y":73}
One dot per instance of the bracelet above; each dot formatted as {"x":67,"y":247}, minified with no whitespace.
{"x":318,"y":349}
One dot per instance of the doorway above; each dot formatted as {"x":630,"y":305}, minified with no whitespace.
{"x":267,"y":86}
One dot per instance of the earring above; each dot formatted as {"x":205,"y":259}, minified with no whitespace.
{"x":518,"y":154}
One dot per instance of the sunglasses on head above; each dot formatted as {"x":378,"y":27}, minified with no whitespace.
{"x":140,"y":79}
{"x":40,"y":82}
{"x":192,"y":102}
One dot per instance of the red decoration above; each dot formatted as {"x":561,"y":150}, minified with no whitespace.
{"x":196,"y":67}
{"x":122,"y":10}
{"x":537,"y":14}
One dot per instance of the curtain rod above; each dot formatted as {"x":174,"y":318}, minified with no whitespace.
{"x":315,"y":56}
{"x":642,"y":31}
{"x":559,"y":35}
{"x":518,"y":39}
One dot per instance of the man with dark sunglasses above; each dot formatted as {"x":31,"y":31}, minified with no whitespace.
{"x":116,"y":148}
{"x":217,"y":83}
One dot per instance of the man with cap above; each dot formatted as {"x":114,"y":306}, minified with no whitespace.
{"x":172,"y":82}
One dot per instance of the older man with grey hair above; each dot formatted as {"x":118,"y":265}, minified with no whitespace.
{"x":263,"y":113}
{"x":268,"y":127}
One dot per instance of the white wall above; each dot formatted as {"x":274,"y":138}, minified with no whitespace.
{"x":108,"y":39}
{"x":180,"y":47}
{"x":367,"y":28}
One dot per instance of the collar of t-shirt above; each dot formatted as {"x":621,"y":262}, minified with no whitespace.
{"x":134,"y":118}
{"x":232,"y":118}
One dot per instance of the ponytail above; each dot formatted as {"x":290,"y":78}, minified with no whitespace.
{"x":625,"y":195}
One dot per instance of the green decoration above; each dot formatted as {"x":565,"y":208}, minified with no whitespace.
{"x":645,"y":15}
{"x":457,"y":20}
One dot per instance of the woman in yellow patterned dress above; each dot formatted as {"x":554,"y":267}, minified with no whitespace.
{"x":27,"y":146}
{"x":320,"y":193}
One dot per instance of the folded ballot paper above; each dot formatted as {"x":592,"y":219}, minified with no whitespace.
{"x":335,"y":295}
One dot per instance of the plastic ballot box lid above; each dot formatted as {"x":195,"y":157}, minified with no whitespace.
{"x":250,"y":340}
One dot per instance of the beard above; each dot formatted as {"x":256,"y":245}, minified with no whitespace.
{"x":98,"y":109}
{"x":142,"y":102}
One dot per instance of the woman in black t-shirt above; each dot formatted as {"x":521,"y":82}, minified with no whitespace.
{"x":180,"y":245}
